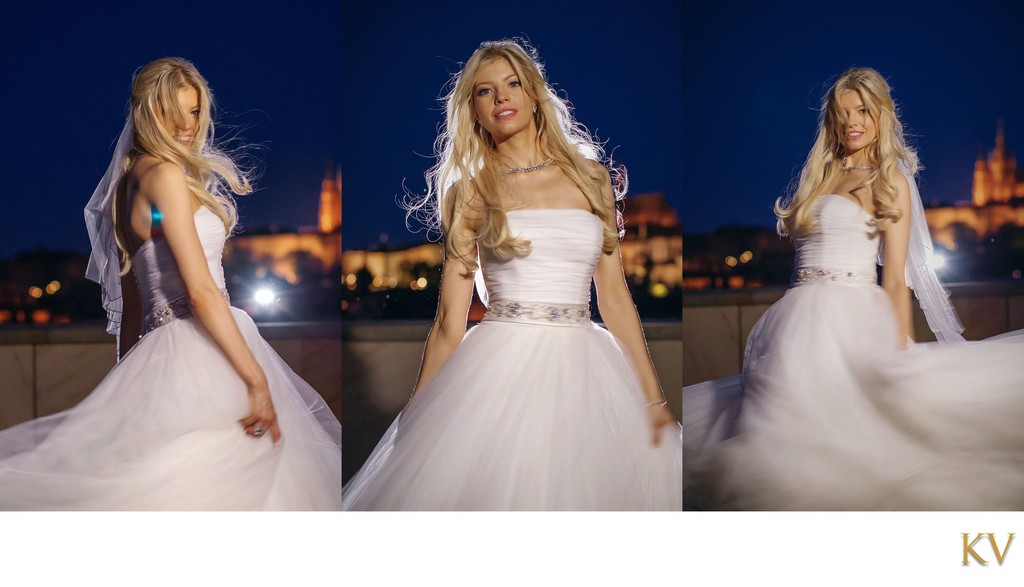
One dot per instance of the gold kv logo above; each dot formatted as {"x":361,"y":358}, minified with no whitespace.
{"x":970,"y":551}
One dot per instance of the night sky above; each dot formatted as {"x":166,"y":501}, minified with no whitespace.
{"x":712,"y":103}
{"x":754,"y":74}
{"x":619,"y":63}
{"x":274,"y":68}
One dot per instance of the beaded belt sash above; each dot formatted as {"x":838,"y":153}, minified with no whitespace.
{"x":175,"y":309}
{"x":813,"y":275}
{"x":538,"y":313}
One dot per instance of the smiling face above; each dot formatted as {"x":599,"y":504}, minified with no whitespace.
{"x":500,"y":101}
{"x":183,"y":128}
{"x":860,"y":129}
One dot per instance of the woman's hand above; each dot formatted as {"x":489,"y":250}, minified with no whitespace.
{"x":262,"y":417}
{"x":660,"y":417}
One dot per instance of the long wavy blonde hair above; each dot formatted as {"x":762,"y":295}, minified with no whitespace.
{"x":464,"y":181}
{"x":211,"y":174}
{"x":886,"y":154}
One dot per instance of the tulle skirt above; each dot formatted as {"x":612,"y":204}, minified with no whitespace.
{"x":525,"y":417}
{"x":162,"y":432}
{"x":830,"y":414}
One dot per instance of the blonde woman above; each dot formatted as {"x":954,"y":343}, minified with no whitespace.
{"x":837,"y":408}
{"x":199,"y":413}
{"x":535,"y":408}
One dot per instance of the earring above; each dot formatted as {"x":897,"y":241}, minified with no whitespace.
{"x":534,"y":108}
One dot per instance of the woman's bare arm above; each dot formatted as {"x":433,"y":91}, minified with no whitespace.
{"x":450,"y":322}
{"x":621,"y":318}
{"x":894,"y":258}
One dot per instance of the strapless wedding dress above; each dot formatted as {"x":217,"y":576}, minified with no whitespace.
{"x":162,"y":432}
{"x":537,"y":408}
{"x":830,"y":414}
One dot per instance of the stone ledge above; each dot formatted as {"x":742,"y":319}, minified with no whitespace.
{"x":95,"y":333}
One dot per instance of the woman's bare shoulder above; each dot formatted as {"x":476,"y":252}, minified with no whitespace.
{"x":150,"y":172}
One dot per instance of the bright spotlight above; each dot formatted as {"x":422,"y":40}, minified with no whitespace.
{"x":265,"y":296}
{"x":937,"y":261}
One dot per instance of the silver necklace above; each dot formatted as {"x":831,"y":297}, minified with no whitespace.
{"x":856,"y":167}
{"x":540,"y":165}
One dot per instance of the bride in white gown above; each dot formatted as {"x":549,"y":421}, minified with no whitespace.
{"x":199,"y":413}
{"x":836,"y":408}
{"x":536,"y":408}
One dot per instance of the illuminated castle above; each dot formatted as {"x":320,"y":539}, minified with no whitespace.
{"x":996,"y":196}
{"x":285,"y":253}
{"x":997,"y":179}
{"x":330,"y":202}
{"x":652,"y":248}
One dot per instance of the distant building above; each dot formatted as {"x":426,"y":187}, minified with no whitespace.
{"x":997,"y":179}
{"x":330,"y":202}
{"x":284,"y":252}
{"x":997,"y":199}
{"x":652,"y":251}
{"x":391,"y":268}
{"x":737,"y":257}
{"x":653,"y":242}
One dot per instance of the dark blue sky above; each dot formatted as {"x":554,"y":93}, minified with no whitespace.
{"x":67,"y":69}
{"x":754,"y":74}
{"x":712,"y":103}
{"x":619,"y":63}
